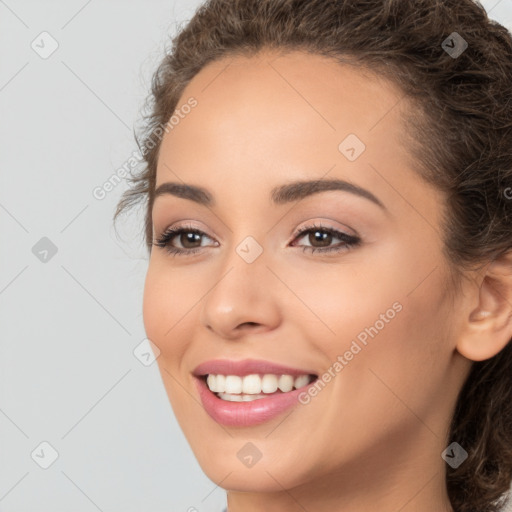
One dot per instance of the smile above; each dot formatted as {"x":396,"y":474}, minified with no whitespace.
{"x":249,"y":392}
{"x":253,"y":387}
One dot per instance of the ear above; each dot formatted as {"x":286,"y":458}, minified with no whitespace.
{"x":488,"y":327}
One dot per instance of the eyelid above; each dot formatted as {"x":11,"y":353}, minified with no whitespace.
{"x":182,"y":227}
{"x":325,"y":224}
{"x":185,"y":225}
{"x":348,"y":242}
{"x":310,"y":225}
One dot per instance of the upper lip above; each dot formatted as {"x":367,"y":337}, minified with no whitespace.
{"x":246,"y":367}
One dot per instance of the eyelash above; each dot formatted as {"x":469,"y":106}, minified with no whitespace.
{"x":348,"y":241}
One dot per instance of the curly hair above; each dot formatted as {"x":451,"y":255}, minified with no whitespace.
{"x":458,"y":134}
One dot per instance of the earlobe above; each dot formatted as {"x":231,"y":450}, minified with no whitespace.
{"x":488,"y":327}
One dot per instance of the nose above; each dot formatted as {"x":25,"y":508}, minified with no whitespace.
{"x":242,"y":299}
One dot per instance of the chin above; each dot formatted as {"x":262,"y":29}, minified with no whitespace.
{"x":260,"y":478}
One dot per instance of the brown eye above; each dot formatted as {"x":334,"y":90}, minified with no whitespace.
{"x":321,"y":238}
{"x":188,"y":237}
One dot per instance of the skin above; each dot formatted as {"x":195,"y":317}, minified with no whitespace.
{"x":375,"y":433}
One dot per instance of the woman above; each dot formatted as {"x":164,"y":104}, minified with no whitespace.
{"x":328,"y":189}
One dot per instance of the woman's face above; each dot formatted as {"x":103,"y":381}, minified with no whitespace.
{"x":372,"y":319}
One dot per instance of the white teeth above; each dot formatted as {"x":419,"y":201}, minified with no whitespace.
{"x":240,"y":398}
{"x":253,"y":386}
{"x":303,"y":380}
{"x":285,"y":383}
{"x":233,"y":384}
{"x":231,"y":398}
{"x":269,"y":384}
{"x":221,"y":384}
{"x":216,"y":383}
{"x":211,"y":380}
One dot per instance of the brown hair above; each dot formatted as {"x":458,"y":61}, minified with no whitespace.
{"x":458,"y":132}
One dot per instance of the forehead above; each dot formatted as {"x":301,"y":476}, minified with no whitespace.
{"x":270,"y":113}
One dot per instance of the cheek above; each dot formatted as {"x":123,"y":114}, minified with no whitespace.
{"x":394,"y":353}
{"x":386,"y":315}
{"x":155,"y":296}
{"x":168,"y":316}
{"x":167,"y":305}
{"x":358,"y":297}
{"x":401,"y":355}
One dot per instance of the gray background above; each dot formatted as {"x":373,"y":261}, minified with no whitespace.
{"x":70,"y":323}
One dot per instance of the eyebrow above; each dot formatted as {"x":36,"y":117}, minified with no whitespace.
{"x":282,"y":194}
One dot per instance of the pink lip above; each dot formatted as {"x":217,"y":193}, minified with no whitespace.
{"x":246,"y":414}
{"x":246,"y":367}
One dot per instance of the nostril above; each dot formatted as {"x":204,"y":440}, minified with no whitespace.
{"x":247,"y":324}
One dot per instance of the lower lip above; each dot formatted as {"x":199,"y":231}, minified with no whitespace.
{"x":246,"y":414}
